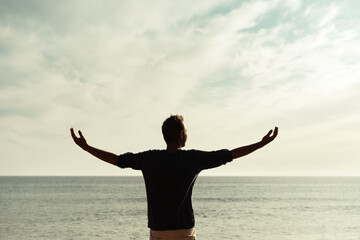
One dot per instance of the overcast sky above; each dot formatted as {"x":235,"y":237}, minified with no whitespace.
{"x":233,"y":69}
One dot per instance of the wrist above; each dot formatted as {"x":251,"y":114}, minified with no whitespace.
{"x":86,"y":148}
{"x":262,"y":143}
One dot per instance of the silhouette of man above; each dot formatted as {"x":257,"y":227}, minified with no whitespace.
{"x":170,"y":176}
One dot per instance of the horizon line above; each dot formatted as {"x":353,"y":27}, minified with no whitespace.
{"x":199,"y":176}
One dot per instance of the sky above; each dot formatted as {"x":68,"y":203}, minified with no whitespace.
{"x":234,"y":69}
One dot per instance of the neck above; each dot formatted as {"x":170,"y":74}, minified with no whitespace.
{"x":173,"y":147}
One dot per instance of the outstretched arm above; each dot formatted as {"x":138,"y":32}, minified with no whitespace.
{"x":103,"y":155}
{"x":245,"y":150}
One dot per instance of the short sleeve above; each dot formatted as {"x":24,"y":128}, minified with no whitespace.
{"x":131,"y":160}
{"x":215,"y":158}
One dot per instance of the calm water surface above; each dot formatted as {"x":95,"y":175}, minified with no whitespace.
{"x":251,"y":208}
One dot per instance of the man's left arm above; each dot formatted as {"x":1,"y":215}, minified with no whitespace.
{"x":245,"y":150}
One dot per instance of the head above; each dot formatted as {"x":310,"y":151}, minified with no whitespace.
{"x":174,"y":131}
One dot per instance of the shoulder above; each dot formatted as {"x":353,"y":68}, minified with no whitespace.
{"x":193,"y":153}
{"x":151,"y":151}
{"x":203,"y":152}
{"x":148,"y":154}
{"x":138,"y":160}
{"x":206,"y":155}
{"x":140,"y":155}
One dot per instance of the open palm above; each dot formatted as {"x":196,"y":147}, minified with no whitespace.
{"x":80,"y":141}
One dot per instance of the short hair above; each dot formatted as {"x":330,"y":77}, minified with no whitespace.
{"x":172,"y":128}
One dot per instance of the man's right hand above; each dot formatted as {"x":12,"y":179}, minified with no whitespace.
{"x":81,"y":141}
{"x":101,"y":154}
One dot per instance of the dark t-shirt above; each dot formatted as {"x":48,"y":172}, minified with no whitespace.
{"x":169,"y":180}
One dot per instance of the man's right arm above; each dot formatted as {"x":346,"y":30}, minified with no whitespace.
{"x":101,"y":154}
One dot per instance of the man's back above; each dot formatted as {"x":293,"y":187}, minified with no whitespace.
{"x":169,"y":180}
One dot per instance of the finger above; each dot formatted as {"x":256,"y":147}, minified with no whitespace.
{"x":275,"y":132}
{"x":269,"y":133}
{"x":81,"y":136}
{"x":72,"y":133}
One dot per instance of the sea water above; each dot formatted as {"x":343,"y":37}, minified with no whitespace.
{"x":250,"y":208}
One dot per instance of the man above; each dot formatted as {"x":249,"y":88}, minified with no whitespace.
{"x":170,"y":176}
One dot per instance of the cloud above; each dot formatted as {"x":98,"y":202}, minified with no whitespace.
{"x":330,"y":15}
{"x":117,"y":69}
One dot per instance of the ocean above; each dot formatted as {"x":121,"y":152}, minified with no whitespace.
{"x":232,"y":208}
